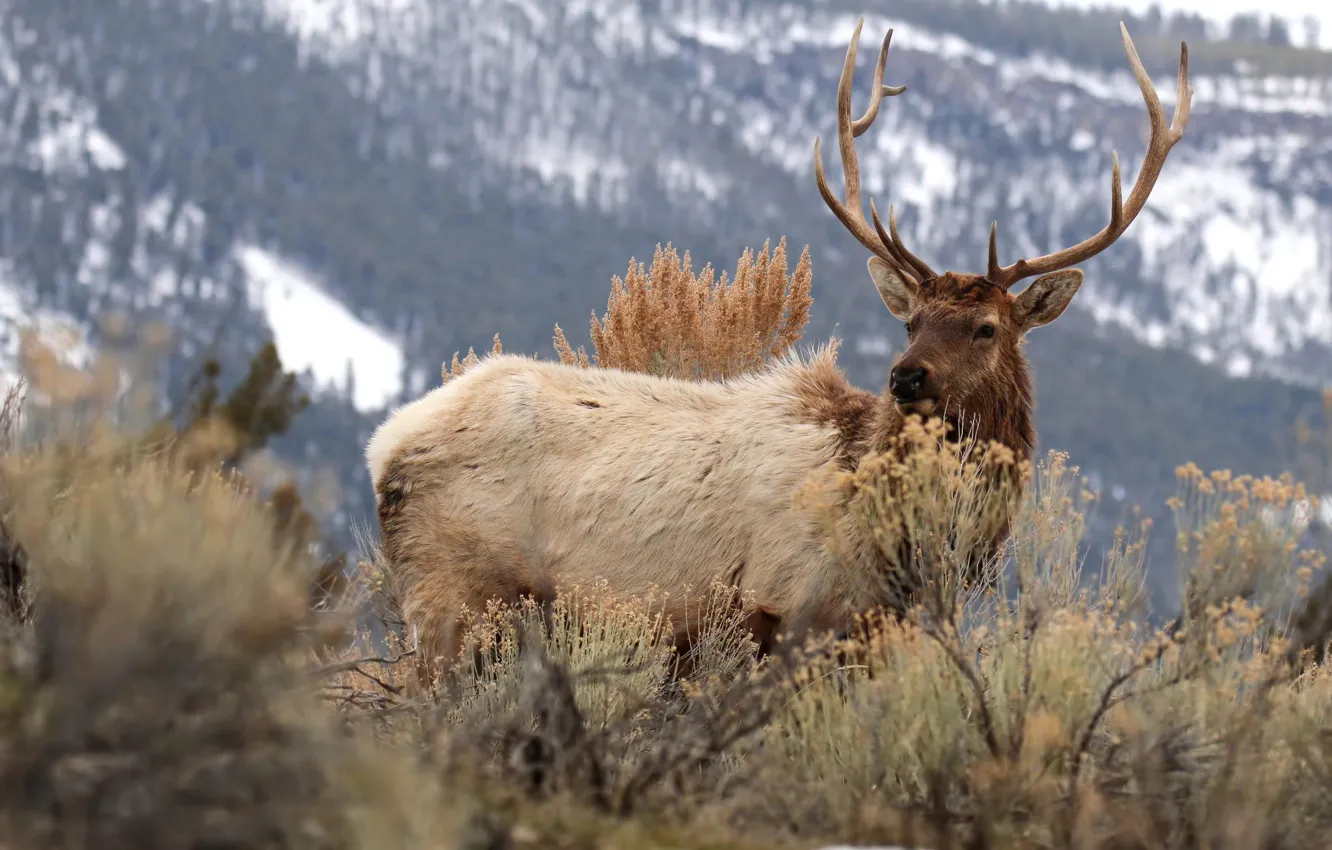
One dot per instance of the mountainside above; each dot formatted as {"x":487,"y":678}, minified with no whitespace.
{"x":1232,"y":260}
{"x":383,"y":184}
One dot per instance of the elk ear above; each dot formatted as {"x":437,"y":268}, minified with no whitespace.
{"x":896,"y":291}
{"x":1043,"y":301}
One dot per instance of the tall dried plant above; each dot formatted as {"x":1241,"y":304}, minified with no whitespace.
{"x":666,"y":320}
{"x":450,"y":371}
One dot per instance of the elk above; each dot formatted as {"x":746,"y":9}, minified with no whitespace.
{"x":520,"y":471}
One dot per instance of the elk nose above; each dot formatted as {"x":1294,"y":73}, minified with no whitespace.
{"x":905,"y":384}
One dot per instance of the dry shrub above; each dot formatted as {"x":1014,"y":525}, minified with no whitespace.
{"x":665,"y":320}
{"x":668,"y":321}
{"x":579,"y":702}
{"x":156,"y":697}
{"x":158,"y":615}
{"x":611,"y":647}
{"x":1047,"y":711}
{"x":929,"y":505}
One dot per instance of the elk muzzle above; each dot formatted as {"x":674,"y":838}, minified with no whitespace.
{"x":909,"y":384}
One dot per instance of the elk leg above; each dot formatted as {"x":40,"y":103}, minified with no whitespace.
{"x":468,"y":580}
{"x":763,"y":626}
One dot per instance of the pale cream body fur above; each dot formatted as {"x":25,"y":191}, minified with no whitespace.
{"x":520,"y":475}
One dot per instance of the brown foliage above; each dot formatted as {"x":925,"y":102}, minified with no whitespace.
{"x":448,"y":372}
{"x":666,"y":320}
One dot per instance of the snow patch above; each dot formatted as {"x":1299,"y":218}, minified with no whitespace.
{"x":685,"y":178}
{"x":1082,"y":140}
{"x":591,"y":177}
{"x":877,"y":345}
{"x":1266,"y":256}
{"x":339,"y":22}
{"x":71,"y":140}
{"x":316,"y":332}
{"x":104,"y":152}
{"x":1220,"y":11}
{"x":58,"y":332}
{"x":923,"y":171}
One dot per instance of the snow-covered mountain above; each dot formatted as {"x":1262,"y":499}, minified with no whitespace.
{"x":1231,"y":260}
{"x":143,"y":251}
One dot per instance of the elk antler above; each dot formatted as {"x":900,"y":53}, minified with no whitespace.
{"x":885,"y":245}
{"x":1121,"y":214}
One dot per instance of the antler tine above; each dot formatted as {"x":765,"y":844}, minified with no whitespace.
{"x":879,"y":90}
{"x":894,"y":241}
{"x":994,"y":270}
{"x":1122,"y":213}
{"x":898,"y":252}
{"x":850,"y":212}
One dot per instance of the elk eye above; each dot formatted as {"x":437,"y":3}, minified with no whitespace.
{"x":985,"y":331}
{"x":907,"y":325}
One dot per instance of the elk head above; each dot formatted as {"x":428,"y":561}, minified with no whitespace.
{"x":964,"y":330}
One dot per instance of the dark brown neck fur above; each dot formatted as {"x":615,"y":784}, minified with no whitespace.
{"x":1004,"y":417}
{"x":867,"y":422}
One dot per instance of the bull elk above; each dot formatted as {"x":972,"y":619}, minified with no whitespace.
{"x":519,"y":471}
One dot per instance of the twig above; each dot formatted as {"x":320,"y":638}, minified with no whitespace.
{"x":977,"y":689}
{"x":354,"y":666}
{"x":1107,"y":702}
{"x":348,"y":666}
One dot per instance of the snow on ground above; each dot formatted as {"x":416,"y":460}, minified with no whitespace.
{"x":336,"y":23}
{"x":315,"y":331}
{"x":58,"y":332}
{"x":557,"y":160}
{"x":1242,"y":267}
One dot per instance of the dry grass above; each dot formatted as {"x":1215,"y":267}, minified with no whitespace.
{"x":930,"y":505}
{"x":181,"y":673}
{"x":452,"y":370}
